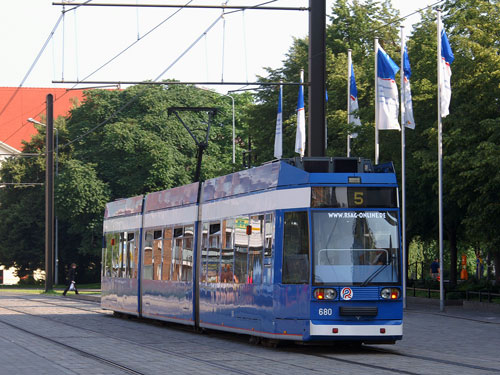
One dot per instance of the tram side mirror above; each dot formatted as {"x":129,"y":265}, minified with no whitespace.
{"x":249,"y":230}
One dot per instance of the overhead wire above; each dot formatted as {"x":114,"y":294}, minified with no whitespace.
{"x":63,"y":43}
{"x":49,"y":38}
{"x":408,"y":15}
{"x":223,"y":42}
{"x":86,"y":77}
{"x":75,"y":24}
{"x":245,"y":44}
{"x":134,"y":98}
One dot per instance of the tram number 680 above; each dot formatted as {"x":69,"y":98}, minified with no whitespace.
{"x":326,"y":311}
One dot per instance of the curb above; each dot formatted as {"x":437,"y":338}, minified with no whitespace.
{"x":434,"y":301}
{"x":482,"y":306}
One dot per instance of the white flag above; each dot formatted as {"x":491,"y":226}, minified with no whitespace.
{"x":387,"y":95}
{"x":278,"y":138}
{"x":300,"y":137}
{"x":408,"y":105}
{"x":445,"y":76}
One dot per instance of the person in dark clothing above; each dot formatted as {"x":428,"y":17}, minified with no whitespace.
{"x":71,"y":279}
{"x":435,"y":269}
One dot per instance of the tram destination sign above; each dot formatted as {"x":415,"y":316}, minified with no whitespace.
{"x":353,"y":197}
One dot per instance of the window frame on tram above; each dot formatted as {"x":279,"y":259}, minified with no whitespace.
{"x":120,"y":254}
{"x":231,"y":261}
{"x":297,"y":262}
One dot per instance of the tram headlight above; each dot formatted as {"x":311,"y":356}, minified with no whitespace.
{"x":390,"y":293}
{"x":319,"y":294}
{"x":322,"y":294}
{"x":330,"y":294}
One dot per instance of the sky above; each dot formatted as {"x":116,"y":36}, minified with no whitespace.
{"x":236,"y":48}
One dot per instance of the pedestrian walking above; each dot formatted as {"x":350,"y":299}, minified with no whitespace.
{"x":71,"y":280}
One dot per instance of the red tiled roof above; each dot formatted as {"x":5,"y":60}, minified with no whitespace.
{"x":30,"y":102}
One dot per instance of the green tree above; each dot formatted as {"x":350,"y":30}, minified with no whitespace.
{"x":117,"y":144}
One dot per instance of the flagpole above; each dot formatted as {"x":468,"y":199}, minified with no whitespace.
{"x":376,"y":102}
{"x":349,"y":62}
{"x":440,"y":165}
{"x":403,"y":167}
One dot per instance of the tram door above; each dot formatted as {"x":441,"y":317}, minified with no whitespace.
{"x":294,"y":290}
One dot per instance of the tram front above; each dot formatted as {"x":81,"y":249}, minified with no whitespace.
{"x":356,"y":291}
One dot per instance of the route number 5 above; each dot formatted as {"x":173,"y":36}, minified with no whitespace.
{"x":358,"y":198}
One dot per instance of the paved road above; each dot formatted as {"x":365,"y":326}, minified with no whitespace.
{"x":53,"y":335}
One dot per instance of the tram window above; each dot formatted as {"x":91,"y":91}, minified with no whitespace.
{"x":267,"y":272}
{"x":129,"y":251}
{"x":240,"y":249}
{"x":135,"y":261}
{"x":227,"y":254}
{"x":269,"y":236}
{"x":187,"y":253}
{"x":204,"y":252}
{"x":213,"y":255}
{"x":296,"y":248}
{"x":103,"y":257}
{"x":177,"y":255}
{"x":115,"y":260}
{"x":108,"y":262}
{"x":167,"y":253}
{"x":157,"y":246}
{"x":148,"y":256}
{"x":122,"y":259}
{"x":255,"y":250}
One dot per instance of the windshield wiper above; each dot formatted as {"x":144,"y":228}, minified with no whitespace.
{"x":377,"y":271}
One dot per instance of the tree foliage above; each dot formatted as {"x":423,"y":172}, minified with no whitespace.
{"x":117,"y":144}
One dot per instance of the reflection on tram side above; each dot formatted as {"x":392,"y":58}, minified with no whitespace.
{"x":273,"y":251}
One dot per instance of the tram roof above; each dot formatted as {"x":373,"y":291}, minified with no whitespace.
{"x":283,"y":174}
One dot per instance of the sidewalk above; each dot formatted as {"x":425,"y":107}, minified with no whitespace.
{"x":477,"y":311}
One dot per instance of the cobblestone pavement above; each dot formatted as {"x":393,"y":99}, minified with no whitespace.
{"x":53,"y":335}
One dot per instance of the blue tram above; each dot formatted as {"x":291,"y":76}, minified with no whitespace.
{"x":300,"y":249}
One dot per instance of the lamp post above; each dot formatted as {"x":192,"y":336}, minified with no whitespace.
{"x":234,"y":149}
{"x":56,"y":247}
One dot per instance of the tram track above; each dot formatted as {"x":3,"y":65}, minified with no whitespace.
{"x":75,"y":350}
{"x":87,"y":354}
{"x":306,"y":350}
{"x":435,"y":360}
{"x":406,"y":355}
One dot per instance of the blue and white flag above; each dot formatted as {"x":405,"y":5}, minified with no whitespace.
{"x":278,"y":138}
{"x":353,"y":118}
{"x":445,"y":76}
{"x":300,"y":137}
{"x":408,"y":105}
{"x":387,"y":92}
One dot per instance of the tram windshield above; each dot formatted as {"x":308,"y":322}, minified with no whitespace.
{"x":355,"y":247}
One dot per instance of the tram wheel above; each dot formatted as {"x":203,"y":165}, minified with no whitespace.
{"x":270,"y":343}
{"x":254,"y":340}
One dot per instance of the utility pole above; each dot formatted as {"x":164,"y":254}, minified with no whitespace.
{"x":317,"y":78}
{"x":49,"y":195}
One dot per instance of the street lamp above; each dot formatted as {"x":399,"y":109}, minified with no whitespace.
{"x":56,"y":247}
